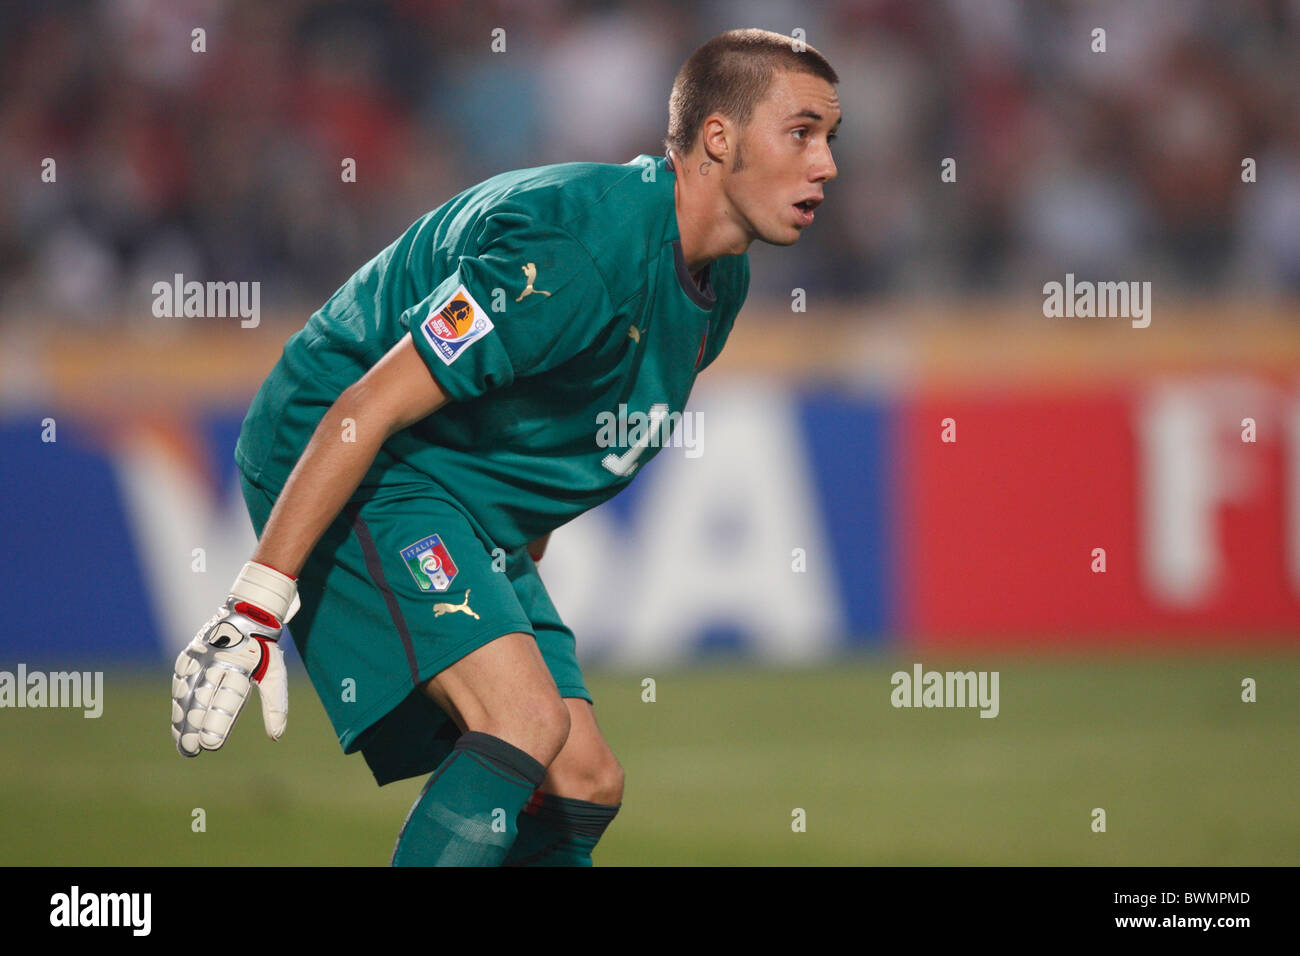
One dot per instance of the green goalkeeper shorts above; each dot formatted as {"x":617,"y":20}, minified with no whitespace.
{"x":397,"y":589}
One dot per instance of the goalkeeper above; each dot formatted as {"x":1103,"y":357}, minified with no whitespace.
{"x":408,"y":456}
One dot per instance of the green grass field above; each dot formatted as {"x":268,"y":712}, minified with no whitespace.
{"x":1186,"y":772}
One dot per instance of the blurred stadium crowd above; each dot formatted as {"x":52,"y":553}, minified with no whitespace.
{"x":226,"y":164}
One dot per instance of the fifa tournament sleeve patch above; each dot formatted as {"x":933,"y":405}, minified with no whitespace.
{"x":456,"y":325}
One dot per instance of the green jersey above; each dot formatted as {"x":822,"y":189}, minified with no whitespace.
{"x":554,"y":307}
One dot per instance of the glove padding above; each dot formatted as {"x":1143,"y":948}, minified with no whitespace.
{"x":213,"y":676}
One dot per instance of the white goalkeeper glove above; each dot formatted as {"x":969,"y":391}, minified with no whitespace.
{"x":235,"y":649}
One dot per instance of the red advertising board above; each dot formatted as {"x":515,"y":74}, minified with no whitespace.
{"x":1187,"y":489}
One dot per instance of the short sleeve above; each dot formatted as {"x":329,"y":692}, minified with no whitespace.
{"x":529,"y":300}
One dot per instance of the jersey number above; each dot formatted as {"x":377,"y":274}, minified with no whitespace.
{"x":624,"y":464}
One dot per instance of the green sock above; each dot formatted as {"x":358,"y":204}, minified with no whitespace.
{"x":559,"y":831}
{"x":466,"y":814}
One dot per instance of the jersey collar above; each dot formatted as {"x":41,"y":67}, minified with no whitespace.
{"x":704,"y":297}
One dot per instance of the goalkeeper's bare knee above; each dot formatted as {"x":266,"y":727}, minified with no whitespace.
{"x":505,"y":689}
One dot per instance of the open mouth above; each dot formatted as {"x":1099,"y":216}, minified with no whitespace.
{"x":804,"y":210}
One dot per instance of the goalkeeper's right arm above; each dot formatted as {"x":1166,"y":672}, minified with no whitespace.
{"x":238,"y":646}
{"x":398,"y":392}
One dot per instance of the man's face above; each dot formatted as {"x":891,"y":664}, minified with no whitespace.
{"x":783,"y":157}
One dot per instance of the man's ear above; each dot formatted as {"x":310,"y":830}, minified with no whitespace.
{"x":719,"y":137}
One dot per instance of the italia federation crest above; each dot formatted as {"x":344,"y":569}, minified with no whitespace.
{"x":430,"y":563}
{"x":459,"y":322}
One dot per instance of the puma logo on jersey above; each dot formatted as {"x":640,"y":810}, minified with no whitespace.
{"x":442,"y":608}
{"x":634,"y":334}
{"x":530,"y":271}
